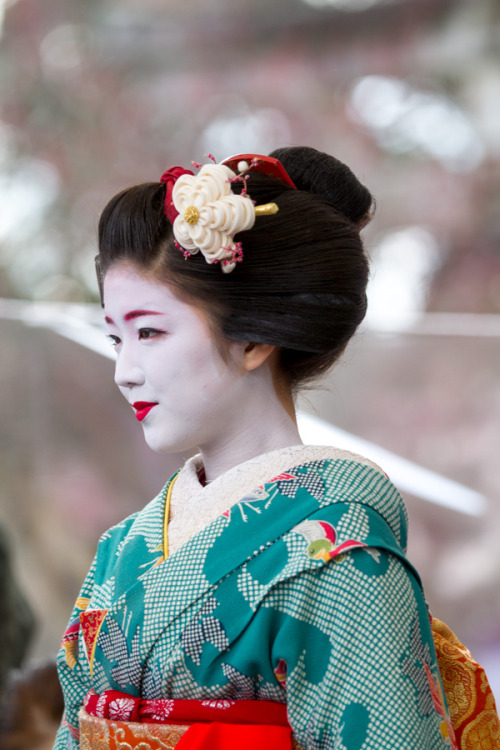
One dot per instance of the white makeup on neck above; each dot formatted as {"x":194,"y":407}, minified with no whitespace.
{"x":184,"y":393}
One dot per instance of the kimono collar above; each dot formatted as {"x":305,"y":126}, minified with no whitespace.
{"x":194,"y":506}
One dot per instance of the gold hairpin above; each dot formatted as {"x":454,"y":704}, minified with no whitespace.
{"x":266,"y":209}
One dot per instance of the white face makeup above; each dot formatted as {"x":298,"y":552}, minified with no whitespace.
{"x":168,"y":367}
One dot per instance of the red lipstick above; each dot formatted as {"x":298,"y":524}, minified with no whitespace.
{"x":142,"y":409}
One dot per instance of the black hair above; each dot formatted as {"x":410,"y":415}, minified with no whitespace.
{"x":302,"y":283}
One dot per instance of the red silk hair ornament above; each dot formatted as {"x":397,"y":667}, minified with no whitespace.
{"x":267,"y":165}
{"x":170,"y":177}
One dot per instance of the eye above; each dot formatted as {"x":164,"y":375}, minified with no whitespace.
{"x":149,"y":333}
{"x":114,"y":340}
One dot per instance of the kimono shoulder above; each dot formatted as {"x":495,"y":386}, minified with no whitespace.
{"x":127,"y":548}
{"x":325,"y":502}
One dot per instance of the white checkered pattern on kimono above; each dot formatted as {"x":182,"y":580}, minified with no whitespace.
{"x":310,"y":481}
{"x":103,"y":595}
{"x":353,"y":623}
{"x":206,"y":630}
{"x":347,"y":479}
{"x":148,"y":524}
{"x":354,"y":524}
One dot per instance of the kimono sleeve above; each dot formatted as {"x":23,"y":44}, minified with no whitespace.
{"x":72,"y":662}
{"x":73,"y":672}
{"x":354,"y":652}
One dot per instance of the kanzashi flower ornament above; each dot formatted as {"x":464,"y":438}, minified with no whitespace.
{"x":206,"y":214}
{"x":210,"y":214}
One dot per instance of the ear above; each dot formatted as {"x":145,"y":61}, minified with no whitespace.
{"x":255,"y":355}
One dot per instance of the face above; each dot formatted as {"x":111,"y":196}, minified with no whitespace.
{"x":168,"y":366}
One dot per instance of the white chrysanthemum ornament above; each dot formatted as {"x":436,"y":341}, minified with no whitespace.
{"x":210,"y":214}
{"x":205,"y":213}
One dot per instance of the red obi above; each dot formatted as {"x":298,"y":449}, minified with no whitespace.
{"x":114,"y":718}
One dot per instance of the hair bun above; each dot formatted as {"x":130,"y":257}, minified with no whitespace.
{"x":326,"y":176}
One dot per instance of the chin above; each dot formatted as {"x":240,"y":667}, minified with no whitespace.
{"x":159,"y":444}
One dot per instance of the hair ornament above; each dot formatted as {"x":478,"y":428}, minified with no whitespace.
{"x":206,"y":214}
{"x":267,"y":165}
{"x":210,"y":214}
{"x":170,"y":177}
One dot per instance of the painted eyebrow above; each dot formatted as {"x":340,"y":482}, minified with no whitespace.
{"x":132,"y":315}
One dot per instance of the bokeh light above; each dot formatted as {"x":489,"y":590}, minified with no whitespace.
{"x":403,"y":119}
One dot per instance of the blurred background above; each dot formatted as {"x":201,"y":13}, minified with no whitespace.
{"x":97,"y":95}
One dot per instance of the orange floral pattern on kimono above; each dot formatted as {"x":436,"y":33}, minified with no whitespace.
{"x":470,"y":700}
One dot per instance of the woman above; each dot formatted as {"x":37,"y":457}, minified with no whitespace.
{"x":266,"y":589}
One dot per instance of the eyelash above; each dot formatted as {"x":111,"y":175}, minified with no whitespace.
{"x":152,"y":333}
{"x":143,"y":334}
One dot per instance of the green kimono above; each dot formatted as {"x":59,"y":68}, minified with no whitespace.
{"x":299,"y":593}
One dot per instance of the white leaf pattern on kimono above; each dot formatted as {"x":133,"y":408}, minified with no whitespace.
{"x":114,"y":644}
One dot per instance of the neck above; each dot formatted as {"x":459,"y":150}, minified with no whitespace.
{"x":264,"y":421}
{"x":217,"y":464}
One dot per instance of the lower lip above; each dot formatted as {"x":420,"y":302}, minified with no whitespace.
{"x":142,"y":413}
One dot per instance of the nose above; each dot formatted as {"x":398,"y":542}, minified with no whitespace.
{"x":128,"y":373}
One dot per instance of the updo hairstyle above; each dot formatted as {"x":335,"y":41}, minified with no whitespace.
{"x":302,"y":283}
